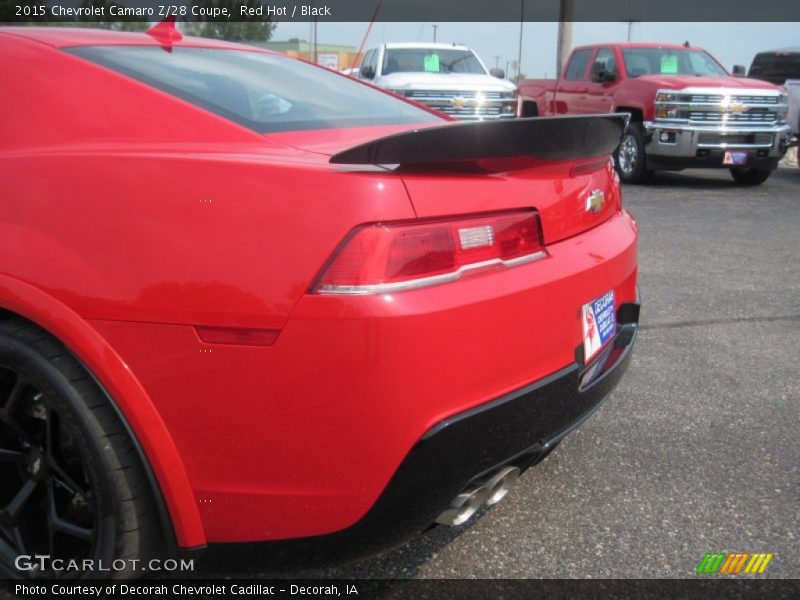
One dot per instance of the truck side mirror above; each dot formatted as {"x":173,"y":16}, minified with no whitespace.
{"x":600,"y":75}
{"x":738,"y":71}
{"x":499,"y":73}
{"x":367,"y":71}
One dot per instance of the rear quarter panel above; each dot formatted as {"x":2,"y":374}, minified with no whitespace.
{"x":124,"y":205}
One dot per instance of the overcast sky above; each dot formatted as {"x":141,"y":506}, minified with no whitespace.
{"x":731,"y":43}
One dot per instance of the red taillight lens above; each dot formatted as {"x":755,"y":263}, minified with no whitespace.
{"x":397,"y":256}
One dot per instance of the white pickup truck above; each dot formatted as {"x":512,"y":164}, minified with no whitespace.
{"x":447,"y":77}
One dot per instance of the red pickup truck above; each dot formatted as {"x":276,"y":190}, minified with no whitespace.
{"x":686,"y":109}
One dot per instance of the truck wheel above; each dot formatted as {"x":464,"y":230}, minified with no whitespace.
{"x":750,"y":176}
{"x":71,"y":484}
{"x":630,"y":157}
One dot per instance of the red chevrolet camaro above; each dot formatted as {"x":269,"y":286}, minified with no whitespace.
{"x":244,"y":298}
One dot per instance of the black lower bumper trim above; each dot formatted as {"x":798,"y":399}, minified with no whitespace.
{"x":711,"y":160}
{"x":517,"y":429}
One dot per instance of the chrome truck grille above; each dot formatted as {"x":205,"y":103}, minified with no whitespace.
{"x":721,"y":108}
{"x":750,"y":116}
{"x":466,"y":104}
{"x":720,"y":98}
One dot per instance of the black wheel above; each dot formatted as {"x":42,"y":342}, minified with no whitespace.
{"x":630,"y":158}
{"x":71,"y":485}
{"x":750,"y":176}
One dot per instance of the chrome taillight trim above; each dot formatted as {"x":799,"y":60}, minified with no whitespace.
{"x":422,"y":282}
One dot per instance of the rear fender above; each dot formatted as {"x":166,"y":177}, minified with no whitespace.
{"x":125,"y":392}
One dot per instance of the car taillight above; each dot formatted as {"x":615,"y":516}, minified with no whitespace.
{"x":391,"y":257}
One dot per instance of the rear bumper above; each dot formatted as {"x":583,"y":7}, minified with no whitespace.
{"x":302,"y":438}
{"x":517,"y":429}
{"x":704,"y":146}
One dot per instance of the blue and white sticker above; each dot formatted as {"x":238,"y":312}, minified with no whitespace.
{"x":734,"y":158}
{"x":599,"y":324}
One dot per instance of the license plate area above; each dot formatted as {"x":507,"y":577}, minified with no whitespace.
{"x":734,"y":158}
{"x":599,"y":324}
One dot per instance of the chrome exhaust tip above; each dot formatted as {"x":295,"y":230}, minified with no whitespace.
{"x":464,"y":506}
{"x":500,"y":484}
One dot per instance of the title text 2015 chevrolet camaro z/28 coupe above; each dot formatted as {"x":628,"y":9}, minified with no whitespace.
{"x":244,"y":298}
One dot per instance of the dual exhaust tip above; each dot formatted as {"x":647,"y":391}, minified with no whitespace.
{"x":468,"y":502}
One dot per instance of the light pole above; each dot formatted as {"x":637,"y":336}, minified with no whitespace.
{"x":519,"y":50}
{"x":630,"y":27}
{"x":564,"y":34}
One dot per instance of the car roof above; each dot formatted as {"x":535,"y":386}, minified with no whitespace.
{"x":435,"y":45}
{"x":790,"y":49}
{"x":63,"y":37}
{"x":640,"y":45}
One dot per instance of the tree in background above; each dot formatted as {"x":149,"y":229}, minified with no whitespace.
{"x":255,"y":29}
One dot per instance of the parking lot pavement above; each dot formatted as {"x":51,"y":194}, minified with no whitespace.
{"x":697,"y":450}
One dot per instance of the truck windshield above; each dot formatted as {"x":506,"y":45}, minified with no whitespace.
{"x":262,"y":91}
{"x":776,"y":67}
{"x":670,"y":61}
{"x":430,"y":60}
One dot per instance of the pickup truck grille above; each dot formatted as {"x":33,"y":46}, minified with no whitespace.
{"x":749,"y":116}
{"x":740,"y":99}
{"x":723,"y":108}
{"x":467,"y":105}
{"x":422,"y":95}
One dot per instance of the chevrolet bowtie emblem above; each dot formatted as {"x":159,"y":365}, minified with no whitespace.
{"x":595,"y":201}
{"x":459,"y":101}
{"x":737,"y":108}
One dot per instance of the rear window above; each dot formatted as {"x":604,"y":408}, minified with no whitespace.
{"x":264,"y":92}
{"x":776,"y":67}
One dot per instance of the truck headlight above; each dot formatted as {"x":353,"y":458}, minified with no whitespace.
{"x":667,"y":112}
{"x":666,"y":97}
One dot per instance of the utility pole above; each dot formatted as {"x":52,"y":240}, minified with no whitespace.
{"x":565,"y":13}
{"x":630,"y":23}
{"x":496,"y":61}
{"x":519,"y":50}
{"x":314,"y":59}
{"x":435,"y":27}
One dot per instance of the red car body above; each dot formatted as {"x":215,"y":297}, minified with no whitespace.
{"x":175,"y":253}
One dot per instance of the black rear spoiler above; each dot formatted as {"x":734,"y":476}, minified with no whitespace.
{"x":553,"y":138}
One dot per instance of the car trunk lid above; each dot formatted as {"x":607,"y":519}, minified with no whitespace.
{"x":559,"y":166}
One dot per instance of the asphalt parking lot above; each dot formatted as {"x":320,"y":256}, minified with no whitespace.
{"x":697,"y":449}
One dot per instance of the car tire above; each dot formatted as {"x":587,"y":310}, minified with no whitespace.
{"x":72,"y":485}
{"x":750,"y":176}
{"x":630,"y":157}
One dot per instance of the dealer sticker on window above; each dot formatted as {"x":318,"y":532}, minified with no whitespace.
{"x":599,"y":324}
{"x":734,"y":158}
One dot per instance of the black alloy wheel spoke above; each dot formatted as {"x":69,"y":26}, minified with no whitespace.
{"x":82,"y":533}
{"x":7,"y":411}
{"x":14,"y":508}
{"x":14,"y":395}
{"x":65,"y":480}
{"x":11,"y":456}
